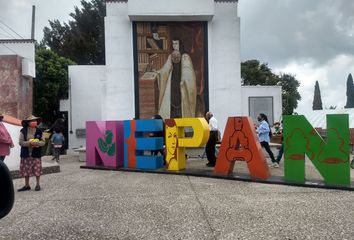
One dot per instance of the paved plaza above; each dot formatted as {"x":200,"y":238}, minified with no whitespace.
{"x":87,"y":204}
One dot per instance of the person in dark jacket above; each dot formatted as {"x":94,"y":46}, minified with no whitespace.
{"x":31,"y":141}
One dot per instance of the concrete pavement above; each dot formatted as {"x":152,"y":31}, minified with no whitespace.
{"x":86,"y":204}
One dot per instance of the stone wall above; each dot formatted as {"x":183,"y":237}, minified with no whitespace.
{"x":16,"y":90}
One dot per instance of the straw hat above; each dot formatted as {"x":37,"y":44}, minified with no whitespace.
{"x":31,"y":118}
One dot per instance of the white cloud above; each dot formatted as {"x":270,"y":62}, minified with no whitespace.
{"x":332,"y":78}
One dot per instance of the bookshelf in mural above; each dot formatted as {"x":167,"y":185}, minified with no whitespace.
{"x":152,"y":54}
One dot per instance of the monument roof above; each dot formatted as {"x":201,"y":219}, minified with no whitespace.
{"x":318,"y":117}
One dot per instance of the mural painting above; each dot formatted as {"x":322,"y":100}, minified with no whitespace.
{"x":171,"y":69}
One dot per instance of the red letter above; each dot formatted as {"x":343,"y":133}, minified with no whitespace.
{"x":240,"y":143}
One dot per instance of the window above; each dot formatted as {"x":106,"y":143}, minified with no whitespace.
{"x":257,"y":105}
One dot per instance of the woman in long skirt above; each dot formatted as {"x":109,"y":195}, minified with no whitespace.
{"x":31,"y":141}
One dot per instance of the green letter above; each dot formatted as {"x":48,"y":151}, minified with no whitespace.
{"x":330,"y":158}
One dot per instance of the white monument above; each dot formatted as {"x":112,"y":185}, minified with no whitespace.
{"x":139,"y":37}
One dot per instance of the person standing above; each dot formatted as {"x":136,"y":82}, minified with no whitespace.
{"x":57,"y":141}
{"x":58,"y":124}
{"x":281,"y":152}
{"x":5,"y":140}
{"x":264,"y":134}
{"x":31,"y":141}
{"x":211,"y":144}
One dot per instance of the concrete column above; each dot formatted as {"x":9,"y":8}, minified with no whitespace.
{"x":119,"y":99}
{"x":224,"y":62}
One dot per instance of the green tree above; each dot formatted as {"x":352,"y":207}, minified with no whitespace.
{"x":317,"y":100}
{"x":290,"y":93}
{"x":82,"y":39}
{"x":50,"y":84}
{"x":350,"y":92}
{"x":255,"y":73}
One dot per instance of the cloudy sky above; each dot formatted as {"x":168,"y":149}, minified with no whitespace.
{"x":17,"y":15}
{"x":312,"y":39}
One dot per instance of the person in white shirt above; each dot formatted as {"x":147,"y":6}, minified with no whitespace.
{"x":210,"y":146}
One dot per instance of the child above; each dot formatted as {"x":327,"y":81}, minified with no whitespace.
{"x":57,"y":142}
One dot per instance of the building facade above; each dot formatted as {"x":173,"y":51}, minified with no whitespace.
{"x":173,"y":58}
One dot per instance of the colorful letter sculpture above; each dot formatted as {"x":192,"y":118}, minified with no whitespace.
{"x":176,"y":142}
{"x":104,"y":143}
{"x":114,"y":144}
{"x":240,"y":143}
{"x":135,"y":144}
{"x":330,"y":158}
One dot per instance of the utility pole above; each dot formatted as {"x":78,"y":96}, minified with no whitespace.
{"x":33,"y":21}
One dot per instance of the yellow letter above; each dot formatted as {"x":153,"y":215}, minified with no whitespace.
{"x":176,"y":142}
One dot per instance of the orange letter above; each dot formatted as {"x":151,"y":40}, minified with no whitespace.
{"x":240,"y":143}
